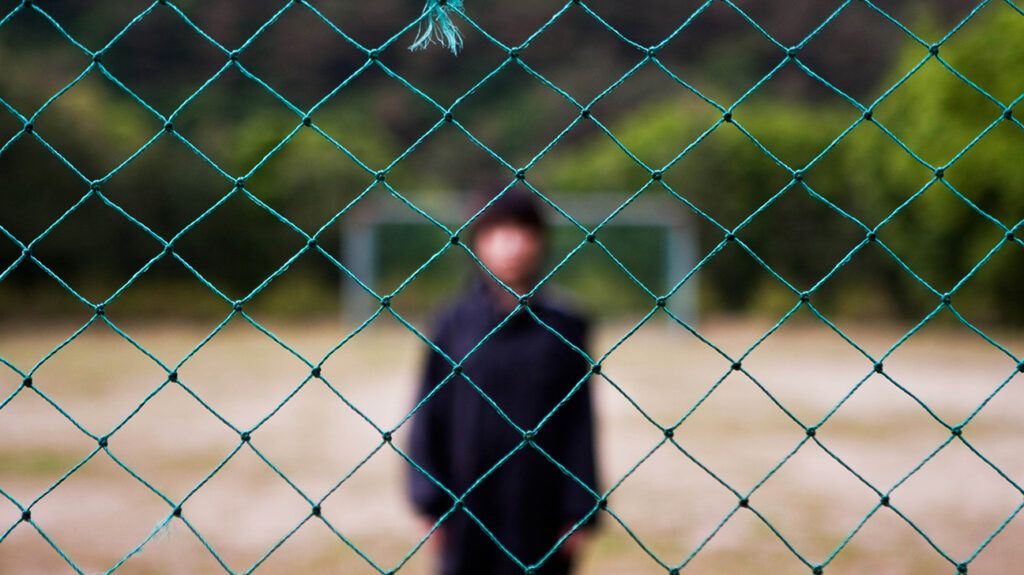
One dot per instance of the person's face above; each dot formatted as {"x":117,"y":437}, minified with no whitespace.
{"x":512,"y":252}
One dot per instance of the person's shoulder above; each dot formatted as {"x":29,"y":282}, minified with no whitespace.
{"x":559,"y":308}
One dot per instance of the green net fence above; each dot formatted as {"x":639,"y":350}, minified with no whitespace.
{"x":305,"y":119}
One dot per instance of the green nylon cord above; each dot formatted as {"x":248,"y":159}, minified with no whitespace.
{"x":435,"y":24}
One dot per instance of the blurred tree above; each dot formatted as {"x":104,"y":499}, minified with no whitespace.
{"x":235,"y":122}
{"x":941,"y":235}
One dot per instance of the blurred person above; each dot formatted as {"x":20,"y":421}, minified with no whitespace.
{"x":527,"y":502}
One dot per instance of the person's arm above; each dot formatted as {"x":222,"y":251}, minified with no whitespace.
{"x":578,"y":453}
{"x":429,"y":435}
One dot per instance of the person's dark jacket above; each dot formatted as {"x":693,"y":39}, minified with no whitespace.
{"x":459,"y":437}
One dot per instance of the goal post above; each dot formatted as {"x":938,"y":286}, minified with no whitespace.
{"x":360,"y":240}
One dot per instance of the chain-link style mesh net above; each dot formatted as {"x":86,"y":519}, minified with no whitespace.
{"x":305,"y":119}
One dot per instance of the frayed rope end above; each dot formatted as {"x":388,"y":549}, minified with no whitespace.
{"x":437,"y":26}
{"x":164,"y":530}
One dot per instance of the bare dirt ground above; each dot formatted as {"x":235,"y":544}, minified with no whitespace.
{"x":100,"y":513}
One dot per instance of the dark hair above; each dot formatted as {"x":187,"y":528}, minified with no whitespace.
{"x":517,"y":206}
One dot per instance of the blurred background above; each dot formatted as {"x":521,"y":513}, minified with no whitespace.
{"x":236,"y":122}
{"x":223,"y":129}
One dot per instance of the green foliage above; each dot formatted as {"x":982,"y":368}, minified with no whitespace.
{"x":726,"y":175}
{"x":946,"y":231}
{"x":166,"y":187}
{"x":866,"y":175}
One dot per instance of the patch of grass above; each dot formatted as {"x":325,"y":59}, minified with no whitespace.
{"x":37,"y":462}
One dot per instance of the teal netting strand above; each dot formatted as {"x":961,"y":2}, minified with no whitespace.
{"x":435,"y":24}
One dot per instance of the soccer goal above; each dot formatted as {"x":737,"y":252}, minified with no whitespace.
{"x":664,"y":227}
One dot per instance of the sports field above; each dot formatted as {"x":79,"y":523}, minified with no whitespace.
{"x":100,"y":513}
